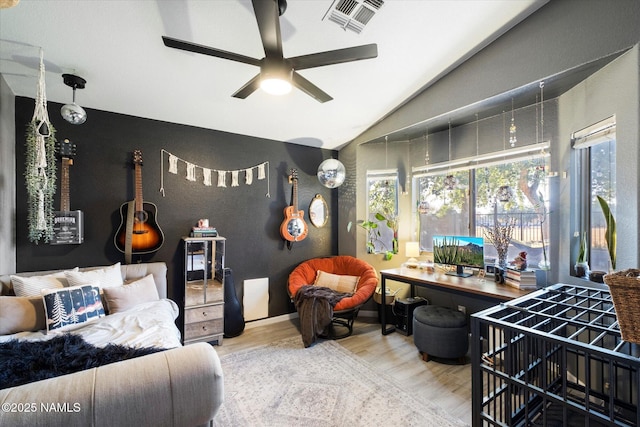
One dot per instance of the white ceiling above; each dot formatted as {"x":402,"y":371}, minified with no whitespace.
{"x":117,"y":47}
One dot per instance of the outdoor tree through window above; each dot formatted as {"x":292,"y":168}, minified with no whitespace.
{"x":382,"y":211}
{"x":476,"y":202}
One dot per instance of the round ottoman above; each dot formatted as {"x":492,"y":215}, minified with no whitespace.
{"x":440,"y":332}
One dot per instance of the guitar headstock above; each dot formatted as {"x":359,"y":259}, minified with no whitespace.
{"x":137,"y":157}
{"x":294,"y":175}
{"x":66,"y":149}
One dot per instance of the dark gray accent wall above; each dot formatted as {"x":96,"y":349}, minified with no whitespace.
{"x":101,"y":179}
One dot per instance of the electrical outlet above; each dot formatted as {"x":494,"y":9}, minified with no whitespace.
{"x":462,"y":308}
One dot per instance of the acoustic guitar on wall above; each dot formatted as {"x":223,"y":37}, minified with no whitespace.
{"x":139,"y":232}
{"x":293,"y":228}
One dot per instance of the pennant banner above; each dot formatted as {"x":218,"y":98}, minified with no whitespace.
{"x":193,"y":176}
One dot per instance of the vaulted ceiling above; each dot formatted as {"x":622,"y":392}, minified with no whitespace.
{"x":117,"y":47}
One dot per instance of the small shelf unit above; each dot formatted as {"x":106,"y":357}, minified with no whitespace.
{"x":554,"y":358}
{"x":204,"y":276}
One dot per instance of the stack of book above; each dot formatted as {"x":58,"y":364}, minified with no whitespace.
{"x":521,"y":279}
{"x":204,"y":232}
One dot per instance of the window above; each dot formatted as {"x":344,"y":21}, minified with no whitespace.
{"x":382,"y":211}
{"x":443,"y":205}
{"x":518,"y":192}
{"x":596,"y":165}
{"x":474,"y":203}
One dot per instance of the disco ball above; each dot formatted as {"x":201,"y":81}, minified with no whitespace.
{"x":331,"y":173}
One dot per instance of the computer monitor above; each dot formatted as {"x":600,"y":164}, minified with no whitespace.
{"x":461,"y":251}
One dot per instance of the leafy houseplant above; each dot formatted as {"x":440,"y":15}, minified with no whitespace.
{"x":611,"y":235}
{"x":582,"y":266}
{"x":373,"y":234}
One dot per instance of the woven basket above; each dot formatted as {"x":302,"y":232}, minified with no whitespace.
{"x":625,"y":293}
{"x":389,"y":299}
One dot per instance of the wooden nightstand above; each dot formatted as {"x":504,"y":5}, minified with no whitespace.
{"x":204,"y":289}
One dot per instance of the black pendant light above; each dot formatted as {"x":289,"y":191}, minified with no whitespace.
{"x":73,"y":113}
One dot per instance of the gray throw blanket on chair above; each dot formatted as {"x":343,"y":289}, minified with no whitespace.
{"x":315,"y":309}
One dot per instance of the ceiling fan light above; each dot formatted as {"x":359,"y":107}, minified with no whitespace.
{"x":275,"y":85}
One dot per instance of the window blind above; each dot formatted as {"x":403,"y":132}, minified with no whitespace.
{"x":603,"y":131}
{"x":531,"y":151}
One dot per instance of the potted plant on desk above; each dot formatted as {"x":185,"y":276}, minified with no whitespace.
{"x":500,"y":237}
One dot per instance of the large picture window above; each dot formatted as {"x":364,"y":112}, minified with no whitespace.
{"x":515,"y":192}
{"x":510,"y":186}
{"x":596,"y":165}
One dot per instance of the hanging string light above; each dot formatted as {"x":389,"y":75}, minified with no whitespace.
{"x":512,"y":129}
{"x":426,"y":149}
{"x":477,"y":138}
{"x":423,"y":204}
{"x":543,"y":153}
{"x":504,"y":193}
{"x":386,"y":158}
{"x":540,"y":167}
{"x":450,"y":180}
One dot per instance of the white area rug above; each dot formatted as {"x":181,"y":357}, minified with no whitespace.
{"x":285,"y":384}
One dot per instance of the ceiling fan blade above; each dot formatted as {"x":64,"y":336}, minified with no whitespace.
{"x":338,"y":56}
{"x":309,"y":88}
{"x":268,"y":18}
{"x":250,"y":87}
{"x":206,"y":50}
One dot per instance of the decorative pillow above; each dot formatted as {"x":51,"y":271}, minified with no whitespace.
{"x":20,"y":314}
{"x":124,"y":297}
{"x":70,"y":307}
{"x":337,"y":282}
{"x":31,"y":286}
{"x":102,"y":277}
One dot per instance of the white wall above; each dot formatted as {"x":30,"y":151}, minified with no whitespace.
{"x":7,"y":179}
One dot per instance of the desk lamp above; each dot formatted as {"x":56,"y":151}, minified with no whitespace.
{"x":412,"y":250}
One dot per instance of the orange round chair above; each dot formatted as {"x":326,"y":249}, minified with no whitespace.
{"x":346,"y":310}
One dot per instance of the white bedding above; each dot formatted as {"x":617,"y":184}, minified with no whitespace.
{"x":150,"y":324}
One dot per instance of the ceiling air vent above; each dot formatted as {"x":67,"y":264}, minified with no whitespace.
{"x":353,"y":14}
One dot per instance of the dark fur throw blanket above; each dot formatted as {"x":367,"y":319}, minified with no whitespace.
{"x":22,"y":362}
{"x":315,"y":309}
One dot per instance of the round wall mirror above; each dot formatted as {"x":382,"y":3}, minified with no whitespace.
{"x":318,"y":211}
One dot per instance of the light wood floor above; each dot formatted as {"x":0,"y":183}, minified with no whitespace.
{"x":444,"y":383}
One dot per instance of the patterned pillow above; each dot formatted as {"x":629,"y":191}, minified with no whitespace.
{"x":102,"y":277}
{"x":31,"y":286}
{"x":124,"y":297}
{"x":70,"y":307}
{"x":337,"y":282}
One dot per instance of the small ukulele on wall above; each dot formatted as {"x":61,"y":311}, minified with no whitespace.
{"x":293,"y":228}
{"x":68,"y":225}
{"x":139,"y":232}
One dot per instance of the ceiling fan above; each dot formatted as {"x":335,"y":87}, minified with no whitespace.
{"x":274,"y":67}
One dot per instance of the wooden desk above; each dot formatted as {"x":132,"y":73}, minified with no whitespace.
{"x":470,"y":286}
